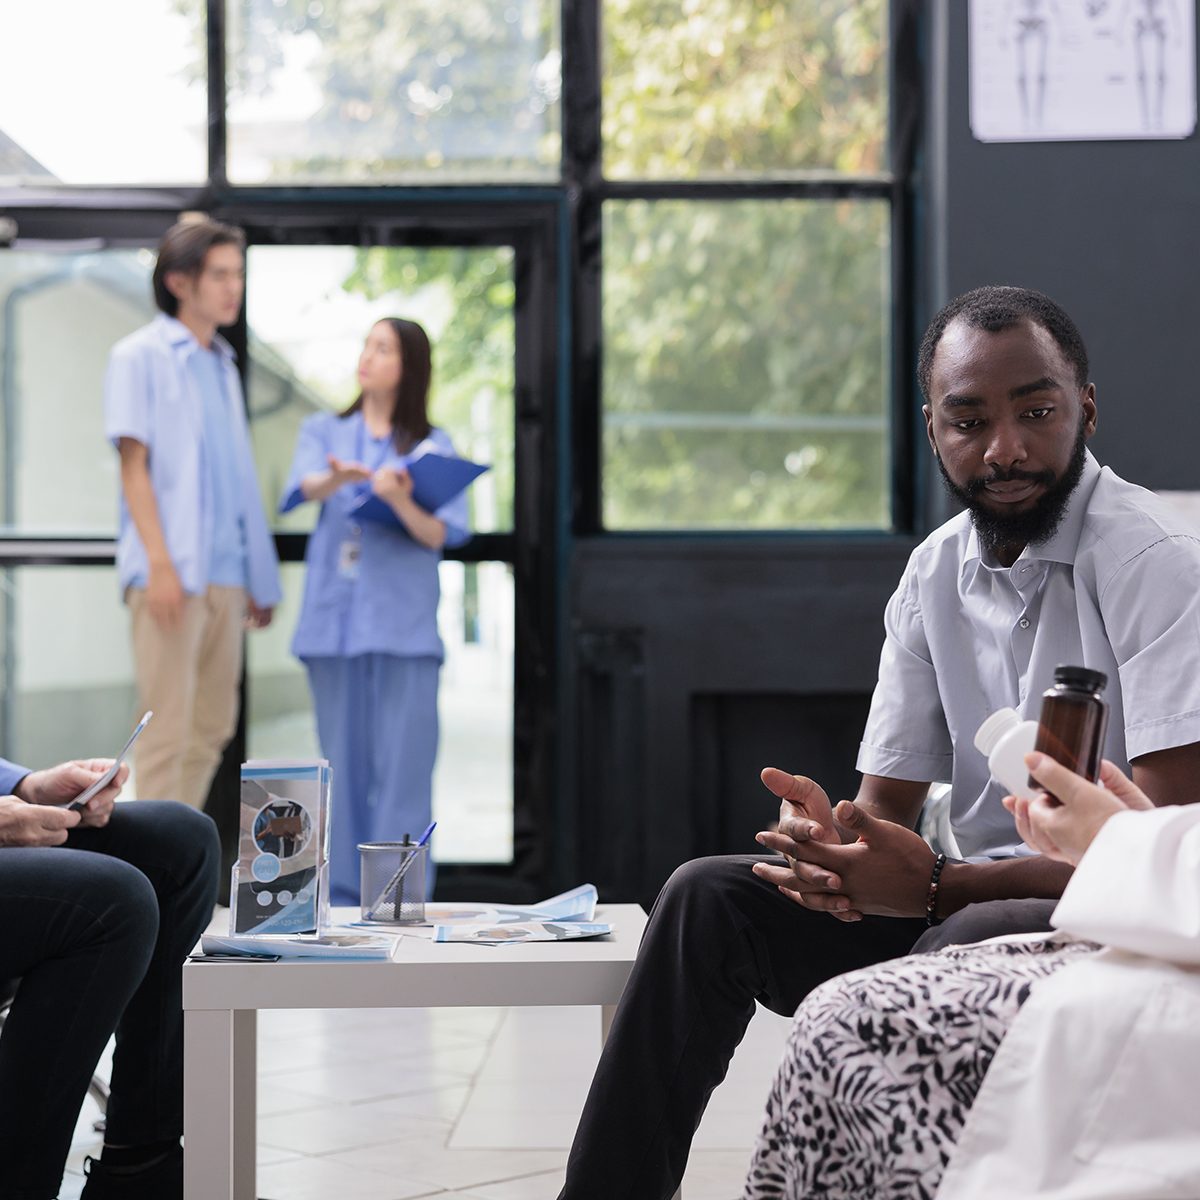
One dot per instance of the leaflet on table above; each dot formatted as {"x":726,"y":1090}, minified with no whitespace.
{"x":281,"y":877}
{"x":579,"y":904}
{"x":520,"y":931}
{"x":328,"y":945}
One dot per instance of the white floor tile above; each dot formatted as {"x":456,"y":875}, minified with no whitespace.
{"x":532,"y":1187}
{"x":343,"y":1127}
{"x":454,"y":1169}
{"x":322,"y":1179}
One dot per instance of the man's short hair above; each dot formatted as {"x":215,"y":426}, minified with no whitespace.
{"x":184,"y":247}
{"x":995,"y":308}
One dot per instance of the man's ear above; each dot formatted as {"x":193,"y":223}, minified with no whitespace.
{"x":1090,"y":416}
{"x":929,"y":429}
{"x":178,"y":283}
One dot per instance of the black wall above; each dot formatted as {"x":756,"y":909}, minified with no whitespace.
{"x":697,"y":663}
{"x":693,"y":661}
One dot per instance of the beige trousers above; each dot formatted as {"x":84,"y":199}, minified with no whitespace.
{"x":189,"y":676}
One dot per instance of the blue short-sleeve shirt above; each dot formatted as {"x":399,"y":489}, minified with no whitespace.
{"x":390,"y":606}
{"x":1116,"y":588}
{"x":150,"y":395}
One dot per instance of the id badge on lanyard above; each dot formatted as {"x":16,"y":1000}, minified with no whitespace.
{"x":350,"y":553}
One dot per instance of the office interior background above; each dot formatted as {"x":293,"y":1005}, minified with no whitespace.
{"x":675,"y":258}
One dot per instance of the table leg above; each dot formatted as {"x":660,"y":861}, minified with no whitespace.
{"x":607,"y":1012}
{"x":219,"y":1103}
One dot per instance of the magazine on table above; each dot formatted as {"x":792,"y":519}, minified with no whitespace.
{"x":520,"y":931}
{"x":327,"y":945}
{"x":579,"y":904}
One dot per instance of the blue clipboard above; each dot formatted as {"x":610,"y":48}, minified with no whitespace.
{"x":437,"y":479}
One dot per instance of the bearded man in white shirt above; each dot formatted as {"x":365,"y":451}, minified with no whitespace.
{"x":1055,"y":560}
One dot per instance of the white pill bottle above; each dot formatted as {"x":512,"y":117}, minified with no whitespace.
{"x":1004,"y":740}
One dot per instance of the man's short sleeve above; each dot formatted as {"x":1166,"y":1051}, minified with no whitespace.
{"x":127,"y":396}
{"x":1151,"y":612}
{"x":906,"y":735}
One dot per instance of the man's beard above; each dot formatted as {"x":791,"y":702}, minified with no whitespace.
{"x":1001,"y":530}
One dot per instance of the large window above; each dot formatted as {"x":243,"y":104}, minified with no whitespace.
{"x":746,"y":352}
{"x":66,"y":682}
{"x":92,"y":94}
{"x":393,"y":91}
{"x":744,"y":89}
{"x":60,"y":313}
{"x":746,"y":331}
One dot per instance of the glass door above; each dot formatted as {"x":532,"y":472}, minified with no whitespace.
{"x":312,"y":294}
{"x":308,"y":309}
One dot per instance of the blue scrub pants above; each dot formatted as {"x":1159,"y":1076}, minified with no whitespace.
{"x":378,"y":723}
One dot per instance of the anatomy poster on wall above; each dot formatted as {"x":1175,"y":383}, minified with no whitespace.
{"x":1071,"y":70}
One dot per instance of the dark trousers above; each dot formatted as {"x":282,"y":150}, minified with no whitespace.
{"x":97,"y":931}
{"x":720,"y":939}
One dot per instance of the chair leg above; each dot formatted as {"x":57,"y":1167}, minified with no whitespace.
{"x":98,"y":1090}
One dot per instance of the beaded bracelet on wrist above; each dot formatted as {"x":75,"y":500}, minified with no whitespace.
{"x":935,"y":881}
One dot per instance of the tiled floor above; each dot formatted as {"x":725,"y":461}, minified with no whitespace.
{"x":461,"y":1104}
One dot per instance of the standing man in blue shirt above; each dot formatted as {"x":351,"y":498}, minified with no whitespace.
{"x":195,"y":557}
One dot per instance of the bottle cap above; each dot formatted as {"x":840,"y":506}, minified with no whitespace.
{"x":994,"y":728}
{"x":1080,"y":677}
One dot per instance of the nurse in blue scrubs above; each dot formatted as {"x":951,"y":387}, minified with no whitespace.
{"x":368,"y":633}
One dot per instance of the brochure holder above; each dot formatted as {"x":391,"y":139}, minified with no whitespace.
{"x":281,"y":878}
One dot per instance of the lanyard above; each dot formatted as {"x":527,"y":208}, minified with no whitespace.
{"x":350,"y":550}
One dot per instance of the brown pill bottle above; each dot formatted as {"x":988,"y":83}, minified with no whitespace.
{"x":1073,"y":721}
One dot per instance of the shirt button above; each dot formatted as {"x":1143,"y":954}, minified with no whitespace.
{"x":1024,"y":622}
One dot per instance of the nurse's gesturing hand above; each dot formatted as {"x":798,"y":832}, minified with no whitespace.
{"x":346,"y":471}
{"x":320,"y":485}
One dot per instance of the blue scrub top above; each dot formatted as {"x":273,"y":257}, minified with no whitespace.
{"x":391,"y":606}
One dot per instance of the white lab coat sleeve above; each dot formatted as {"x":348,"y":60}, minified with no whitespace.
{"x":1138,"y":886}
{"x":1091,"y":1095}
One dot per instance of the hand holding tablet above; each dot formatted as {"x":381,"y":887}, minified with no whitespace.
{"x":111,"y":773}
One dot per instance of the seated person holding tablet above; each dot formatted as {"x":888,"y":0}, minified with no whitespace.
{"x":99,"y":906}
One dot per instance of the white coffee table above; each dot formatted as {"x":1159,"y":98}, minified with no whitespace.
{"x":221,"y":1002}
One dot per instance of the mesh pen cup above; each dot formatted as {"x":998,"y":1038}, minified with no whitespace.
{"x":393,"y":882}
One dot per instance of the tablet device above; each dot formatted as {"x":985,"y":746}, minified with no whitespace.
{"x":111,"y":773}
